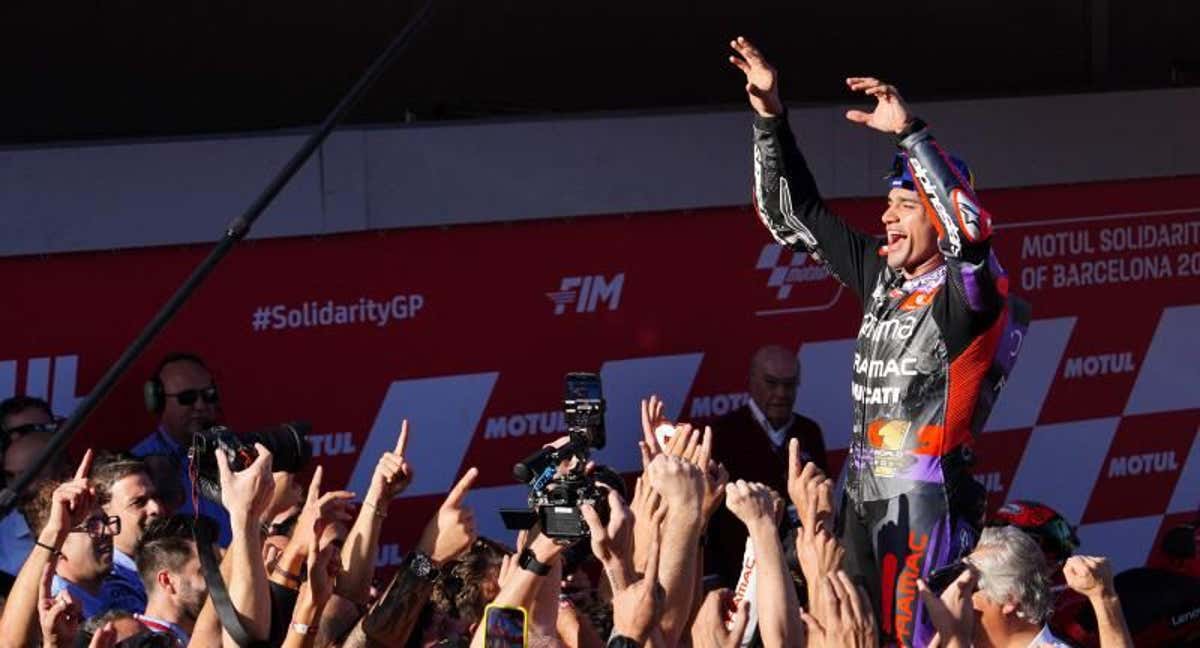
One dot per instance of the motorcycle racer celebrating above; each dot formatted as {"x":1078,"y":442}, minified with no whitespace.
{"x":939,"y":335}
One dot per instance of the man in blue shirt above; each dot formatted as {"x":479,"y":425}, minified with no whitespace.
{"x":85,"y":555}
{"x":184,"y":396}
{"x":124,"y":489}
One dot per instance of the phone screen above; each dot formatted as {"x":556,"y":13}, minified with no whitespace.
{"x":505,"y":627}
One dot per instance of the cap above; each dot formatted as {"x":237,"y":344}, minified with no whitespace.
{"x":900,"y":175}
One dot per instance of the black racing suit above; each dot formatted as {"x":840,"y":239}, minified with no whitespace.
{"x":931,"y":356}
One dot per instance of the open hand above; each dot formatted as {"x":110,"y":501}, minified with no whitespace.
{"x":891,"y":113}
{"x":762,"y":81}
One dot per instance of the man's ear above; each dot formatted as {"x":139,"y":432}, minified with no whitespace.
{"x":163,"y":580}
{"x":1010,"y":609}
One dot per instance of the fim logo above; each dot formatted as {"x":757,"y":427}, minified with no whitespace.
{"x":587,"y":293}
{"x":784,"y":274}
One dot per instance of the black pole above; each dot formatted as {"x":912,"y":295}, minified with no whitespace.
{"x":236,"y":231}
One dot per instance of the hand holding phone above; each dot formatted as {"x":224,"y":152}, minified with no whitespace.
{"x":505,"y":627}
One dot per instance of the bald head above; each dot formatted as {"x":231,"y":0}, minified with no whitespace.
{"x":774,"y":377}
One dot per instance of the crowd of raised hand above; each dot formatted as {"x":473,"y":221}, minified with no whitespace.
{"x":300,"y":570}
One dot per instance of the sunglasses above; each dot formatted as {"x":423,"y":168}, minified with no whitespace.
{"x":188,"y":397}
{"x":99,"y":526}
{"x":12,"y":434}
{"x":941,"y":578}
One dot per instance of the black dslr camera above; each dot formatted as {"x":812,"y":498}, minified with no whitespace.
{"x":555,"y":495}
{"x":287,"y":442}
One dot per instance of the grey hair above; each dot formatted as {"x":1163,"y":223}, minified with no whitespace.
{"x":1013,"y":570}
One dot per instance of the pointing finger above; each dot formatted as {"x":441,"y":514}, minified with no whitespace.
{"x":455,"y":498}
{"x":794,"y":459}
{"x":402,"y":443}
{"x":85,"y":465}
{"x":314,"y":486}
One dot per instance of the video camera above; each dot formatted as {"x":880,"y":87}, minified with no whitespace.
{"x":287,"y":442}
{"x":555,"y":494}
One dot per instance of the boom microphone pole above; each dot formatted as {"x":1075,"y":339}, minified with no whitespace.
{"x":236,"y":231}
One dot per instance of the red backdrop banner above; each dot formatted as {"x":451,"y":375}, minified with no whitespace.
{"x":467,"y":332}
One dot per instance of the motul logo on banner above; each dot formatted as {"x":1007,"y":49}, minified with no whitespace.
{"x":1143,"y":464}
{"x":1099,"y":365}
{"x":588,"y":293}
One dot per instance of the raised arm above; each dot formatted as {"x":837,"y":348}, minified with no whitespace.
{"x":682,"y":489}
{"x":778,"y":608}
{"x":978,"y":284}
{"x":785,"y":194}
{"x":451,"y":531}
{"x":70,"y":505}
{"x":246,"y":494}
{"x":1092,"y":577}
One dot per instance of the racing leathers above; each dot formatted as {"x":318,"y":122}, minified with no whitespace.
{"x":931,"y":355}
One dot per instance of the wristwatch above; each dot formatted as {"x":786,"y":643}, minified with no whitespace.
{"x":529,"y":562}
{"x":422,"y":565}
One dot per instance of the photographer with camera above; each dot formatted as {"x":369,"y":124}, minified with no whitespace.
{"x":183,"y":394}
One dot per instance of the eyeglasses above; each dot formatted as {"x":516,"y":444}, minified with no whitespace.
{"x":100,"y":527}
{"x":188,"y":397}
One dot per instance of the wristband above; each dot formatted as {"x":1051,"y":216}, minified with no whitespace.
{"x":381,"y":514}
{"x":915,"y":124}
{"x":529,"y":562}
{"x":303,"y":628}
{"x":52,"y":550}
{"x":422,"y":566}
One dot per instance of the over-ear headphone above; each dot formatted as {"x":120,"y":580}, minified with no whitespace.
{"x":153,"y":392}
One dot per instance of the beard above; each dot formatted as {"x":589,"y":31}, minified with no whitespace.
{"x":191,"y":600}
